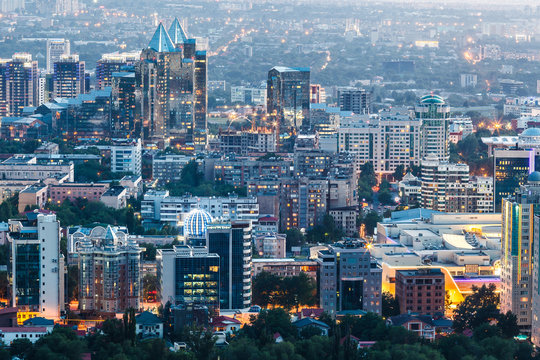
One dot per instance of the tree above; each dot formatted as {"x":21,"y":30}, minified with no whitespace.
{"x":399,"y":173}
{"x":20,"y":348}
{"x":267,"y":323}
{"x":508,"y":325}
{"x":294,"y":238}
{"x":370,"y":221}
{"x":200,"y":341}
{"x":390,"y":305}
{"x":477,"y":308}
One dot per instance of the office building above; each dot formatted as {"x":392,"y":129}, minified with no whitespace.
{"x":288,"y":98}
{"x":110,"y":278}
{"x":511,"y":170}
{"x":124,"y":113}
{"x":18,"y":84}
{"x":259,"y":140}
{"x":354,"y":100}
{"x":317,"y":94}
{"x":350,"y":279}
{"x":113,"y":63}
{"x":172,"y":77}
{"x":420,"y":291}
{"x":435,"y":116}
{"x":517,"y":250}
{"x":56,"y":48}
{"x":37,"y":266}
{"x":126,"y":156}
{"x":68,"y":77}
{"x":232,"y":242}
{"x":248,"y":95}
{"x":271,"y":245}
{"x":189,"y":276}
{"x":286,"y":267}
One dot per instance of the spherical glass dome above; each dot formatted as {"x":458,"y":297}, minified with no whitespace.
{"x":534,"y":177}
{"x":196,"y":222}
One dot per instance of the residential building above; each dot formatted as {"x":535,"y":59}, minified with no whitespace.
{"x":354,"y":100}
{"x":303,"y":203}
{"x":133,"y":185}
{"x":125,"y":120}
{"x":317,"y":94}
{"x":69,"y":77}
{"x":420,"y":291}
{"x":148,"y":325}
{"x":259,"y":140}
{"x":421,"y":325}
{"x":248,"y":95}
{"x":126,"y":156}
{"x":345,"y":219}
{"x":435,"y":116}
{"x":55,"y":49}
{"x":288,"y":97}
{"x":27,"y":167}
{"x":34,"y":195}
{"x":10,"y":334}
{"x":468,"y":80}
{"x":110,"y":278}
{"x":18,"y":84}
{"x":286,"y":267}
{"x":37,"y":267}
{"x":271,"y":245}
{"x":410,"y":189}
{"x":308,"y":323}
{"x":232,"y":242}
{"x":517,"y":248}
{"x":350,"y":278}
{"x":168,"y":168}
{"x":115,"y":197}
{"x":189,"y":276}
{"x":58,"y":193}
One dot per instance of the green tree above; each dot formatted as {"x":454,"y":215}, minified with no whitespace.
{"x":294,"y":238}
{"x":20,"y":348}
{"x":200,"y":341}
{"x":390,"y":305}
{"x":399,"y":173}
{"x":507,"y":324}
{"x":370,"y":221}
{"x":477,"y":308}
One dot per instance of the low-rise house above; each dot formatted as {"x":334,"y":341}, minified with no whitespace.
{"x":225,"y":324}
{"x":9,"y":334}
{"x":39,"y":321}
{"x":421,"y":325}
{"x":148,"y":325}
{"x":307,"y":322}
{"x":115,"y":197}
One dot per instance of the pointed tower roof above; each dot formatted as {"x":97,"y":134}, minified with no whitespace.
{"x":178,"y":35}
{"x":161,"y":41}
{"x":110,"y":237}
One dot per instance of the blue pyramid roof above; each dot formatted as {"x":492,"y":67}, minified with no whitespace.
{"x":110,"y":236}
{"x":178,"y":35}
{"x":161,"y":41}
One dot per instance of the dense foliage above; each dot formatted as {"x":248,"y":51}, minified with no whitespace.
{"x":289,"y":292}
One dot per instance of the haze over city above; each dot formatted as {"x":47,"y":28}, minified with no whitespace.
{"x":234,"y":179}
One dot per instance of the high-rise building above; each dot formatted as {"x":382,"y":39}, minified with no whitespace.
{"x":19,"y":84}
{"x":124,"y":114}
{"x":535,"y":333}
{"x":447,"y":187}
{"x":421,"y":291}
{"x":55,"y":49}
{"x":353,"y":99}
{"x":303,"y":203}
{"x":189,"y":276}
{"x":232,"y":242}
{"x":172,"y":78}
{"x":126,"y":156}
{"x":435,"y":115}
{"x":350,"y":279}
{"x":517,"y":251}
{"x":112,"y":63}
{"x":66,"y":7}
{"x":511,"y":170}
{"x":68,"y":78}
{"x":317,"y":94}
{"x":109,"y":271}
{"x":288,"y":98}
{"x":37,"y":265}
{"x":11,"y":5}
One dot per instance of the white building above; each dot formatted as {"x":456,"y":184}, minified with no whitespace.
{"x":9,"y":334}
{"x":38,"y":265}
{"x":468,"y":80}
{"x":248,"y":95}
{"x":126,"y":156}
{"x":55,"y":49}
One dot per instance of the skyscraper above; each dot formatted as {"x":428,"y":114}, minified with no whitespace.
{"x":172,"y":78}
{"x":232,"y":242}
{"x":124,"y":116}
{"x":68,"y":78}
{"x":511,"y":170}
{"x":37,"y":265}
{"x":435,"y":114}
{"x":55,"y":49}
{"x":288,"y":98}
{"x":19,"y":84}
{"x":111,"y":63}
{"x":517,"y":250}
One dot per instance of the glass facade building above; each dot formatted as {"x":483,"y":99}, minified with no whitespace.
{"x":232,"y":242}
